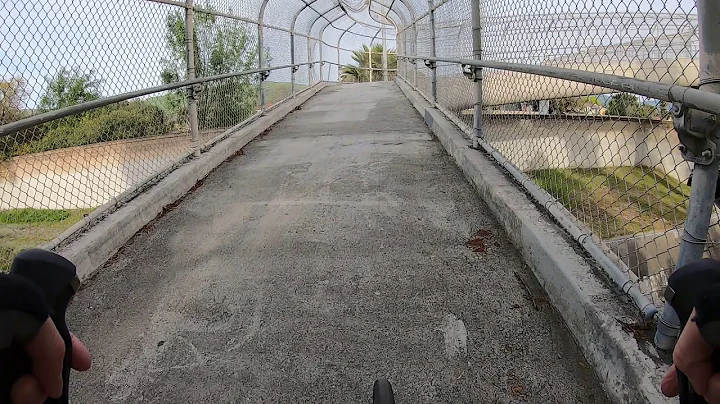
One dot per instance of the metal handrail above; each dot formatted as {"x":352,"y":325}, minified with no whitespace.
{"x":688,"y":96}
{"x":567,"y":221}
{"x":45,"y":117}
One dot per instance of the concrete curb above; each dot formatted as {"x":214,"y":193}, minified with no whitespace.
{"x":590,"y":304}
{"x":91,"y":250}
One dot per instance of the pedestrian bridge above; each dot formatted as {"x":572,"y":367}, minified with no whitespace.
{"x":342,"y":245}
{"x":282,"y":201}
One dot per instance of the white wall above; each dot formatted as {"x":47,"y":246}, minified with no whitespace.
{"x":536,"y":142}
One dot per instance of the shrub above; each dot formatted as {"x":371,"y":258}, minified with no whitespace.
{"x":225,"y":104}
{"x":623,"y":104}
{"x":125,"y":121}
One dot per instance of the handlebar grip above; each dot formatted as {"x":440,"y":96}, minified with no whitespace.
{"x":687,"y":393}
{"x":684,"y":286}
{"x":55,"y":279}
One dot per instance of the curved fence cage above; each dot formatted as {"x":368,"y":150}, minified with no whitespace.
{"x":99,"y":97}
{"x":605,"y":159}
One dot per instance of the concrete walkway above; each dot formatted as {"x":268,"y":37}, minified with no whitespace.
{"x":333,"y":251}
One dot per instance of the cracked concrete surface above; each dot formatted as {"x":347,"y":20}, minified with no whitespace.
{"x":331,"y":253}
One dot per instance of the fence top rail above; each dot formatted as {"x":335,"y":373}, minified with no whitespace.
{"x":688,"y":96}
{"x":217,"y":13}
{"x":45,"y":117}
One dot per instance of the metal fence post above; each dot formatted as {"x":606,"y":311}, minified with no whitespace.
{"x":320,"y":45}
{"x":292,"y":62}
{"x":191,"y":93}
{"x":370,"y":62}
{"x":384,"y":56}
{"x":401,"y":50}
{"x":433,"y":71}
{"x":414,"y":50}
{"x":261,"y":65}
{"x":704,"y":180}
{"x":309,"y":67}
{"x":477,"y":54}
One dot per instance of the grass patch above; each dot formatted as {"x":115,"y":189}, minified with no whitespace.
{"x":618,"y":201}
{"x":16,"y":216}
{"x":28,"y":228}
{"x":275,"y":91}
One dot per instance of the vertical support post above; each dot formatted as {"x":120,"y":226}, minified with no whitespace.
{"x":384,"y":56}
{"x":292,"y":62}
{"x":320,"y":44}
{"x":399,"y":50}
{"x":433,"y":72}
{"x":309,"y":56}
{"x":477,"y":55}
{"x":339,"y":66}
{"x":190,"y":56}
{"x":370,"y":62}
{"x":414,"y":50}
{"x":704,"y":180}
{"x":261,"y":64}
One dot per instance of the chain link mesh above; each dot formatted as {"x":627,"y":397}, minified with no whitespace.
{"x":58,"y":54}
{"x":423,"y":38}
{"x":611,"y":159}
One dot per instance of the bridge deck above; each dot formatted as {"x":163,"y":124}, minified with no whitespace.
{"x":332,"y":252}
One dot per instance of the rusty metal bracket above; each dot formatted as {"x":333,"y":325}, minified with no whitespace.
{"x":195,"y":90}
{"x":695,"y":130}
{"x":295,"y":68}
{"x":471,"y":72}
{"x":264,"y":75}
{"x":430,"y":64}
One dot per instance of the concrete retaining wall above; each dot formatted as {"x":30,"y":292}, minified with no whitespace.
{"x":652,"y":255}
{"x":534,"y":142}
{"x":88,"y":176}
{"x":590,"y":304}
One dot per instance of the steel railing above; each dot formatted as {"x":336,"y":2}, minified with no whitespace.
{"x":45,"y":117}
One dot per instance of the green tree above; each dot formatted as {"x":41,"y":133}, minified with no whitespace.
{"x":564,"y":106}
{"x":219,"y":48}
{"x":13,"y":93}
{"x":624,"y":104}
{"x":573,"y":105}
{"x":359,"y":72}
{"x":591,"y":100}
{"x":69,"y":87}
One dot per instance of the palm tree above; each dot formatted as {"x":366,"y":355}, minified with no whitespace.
{"x":359,"y":72}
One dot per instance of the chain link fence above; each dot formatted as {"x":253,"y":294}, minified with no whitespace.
{"x":611,"y":159}
{"x":56,"y":173}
